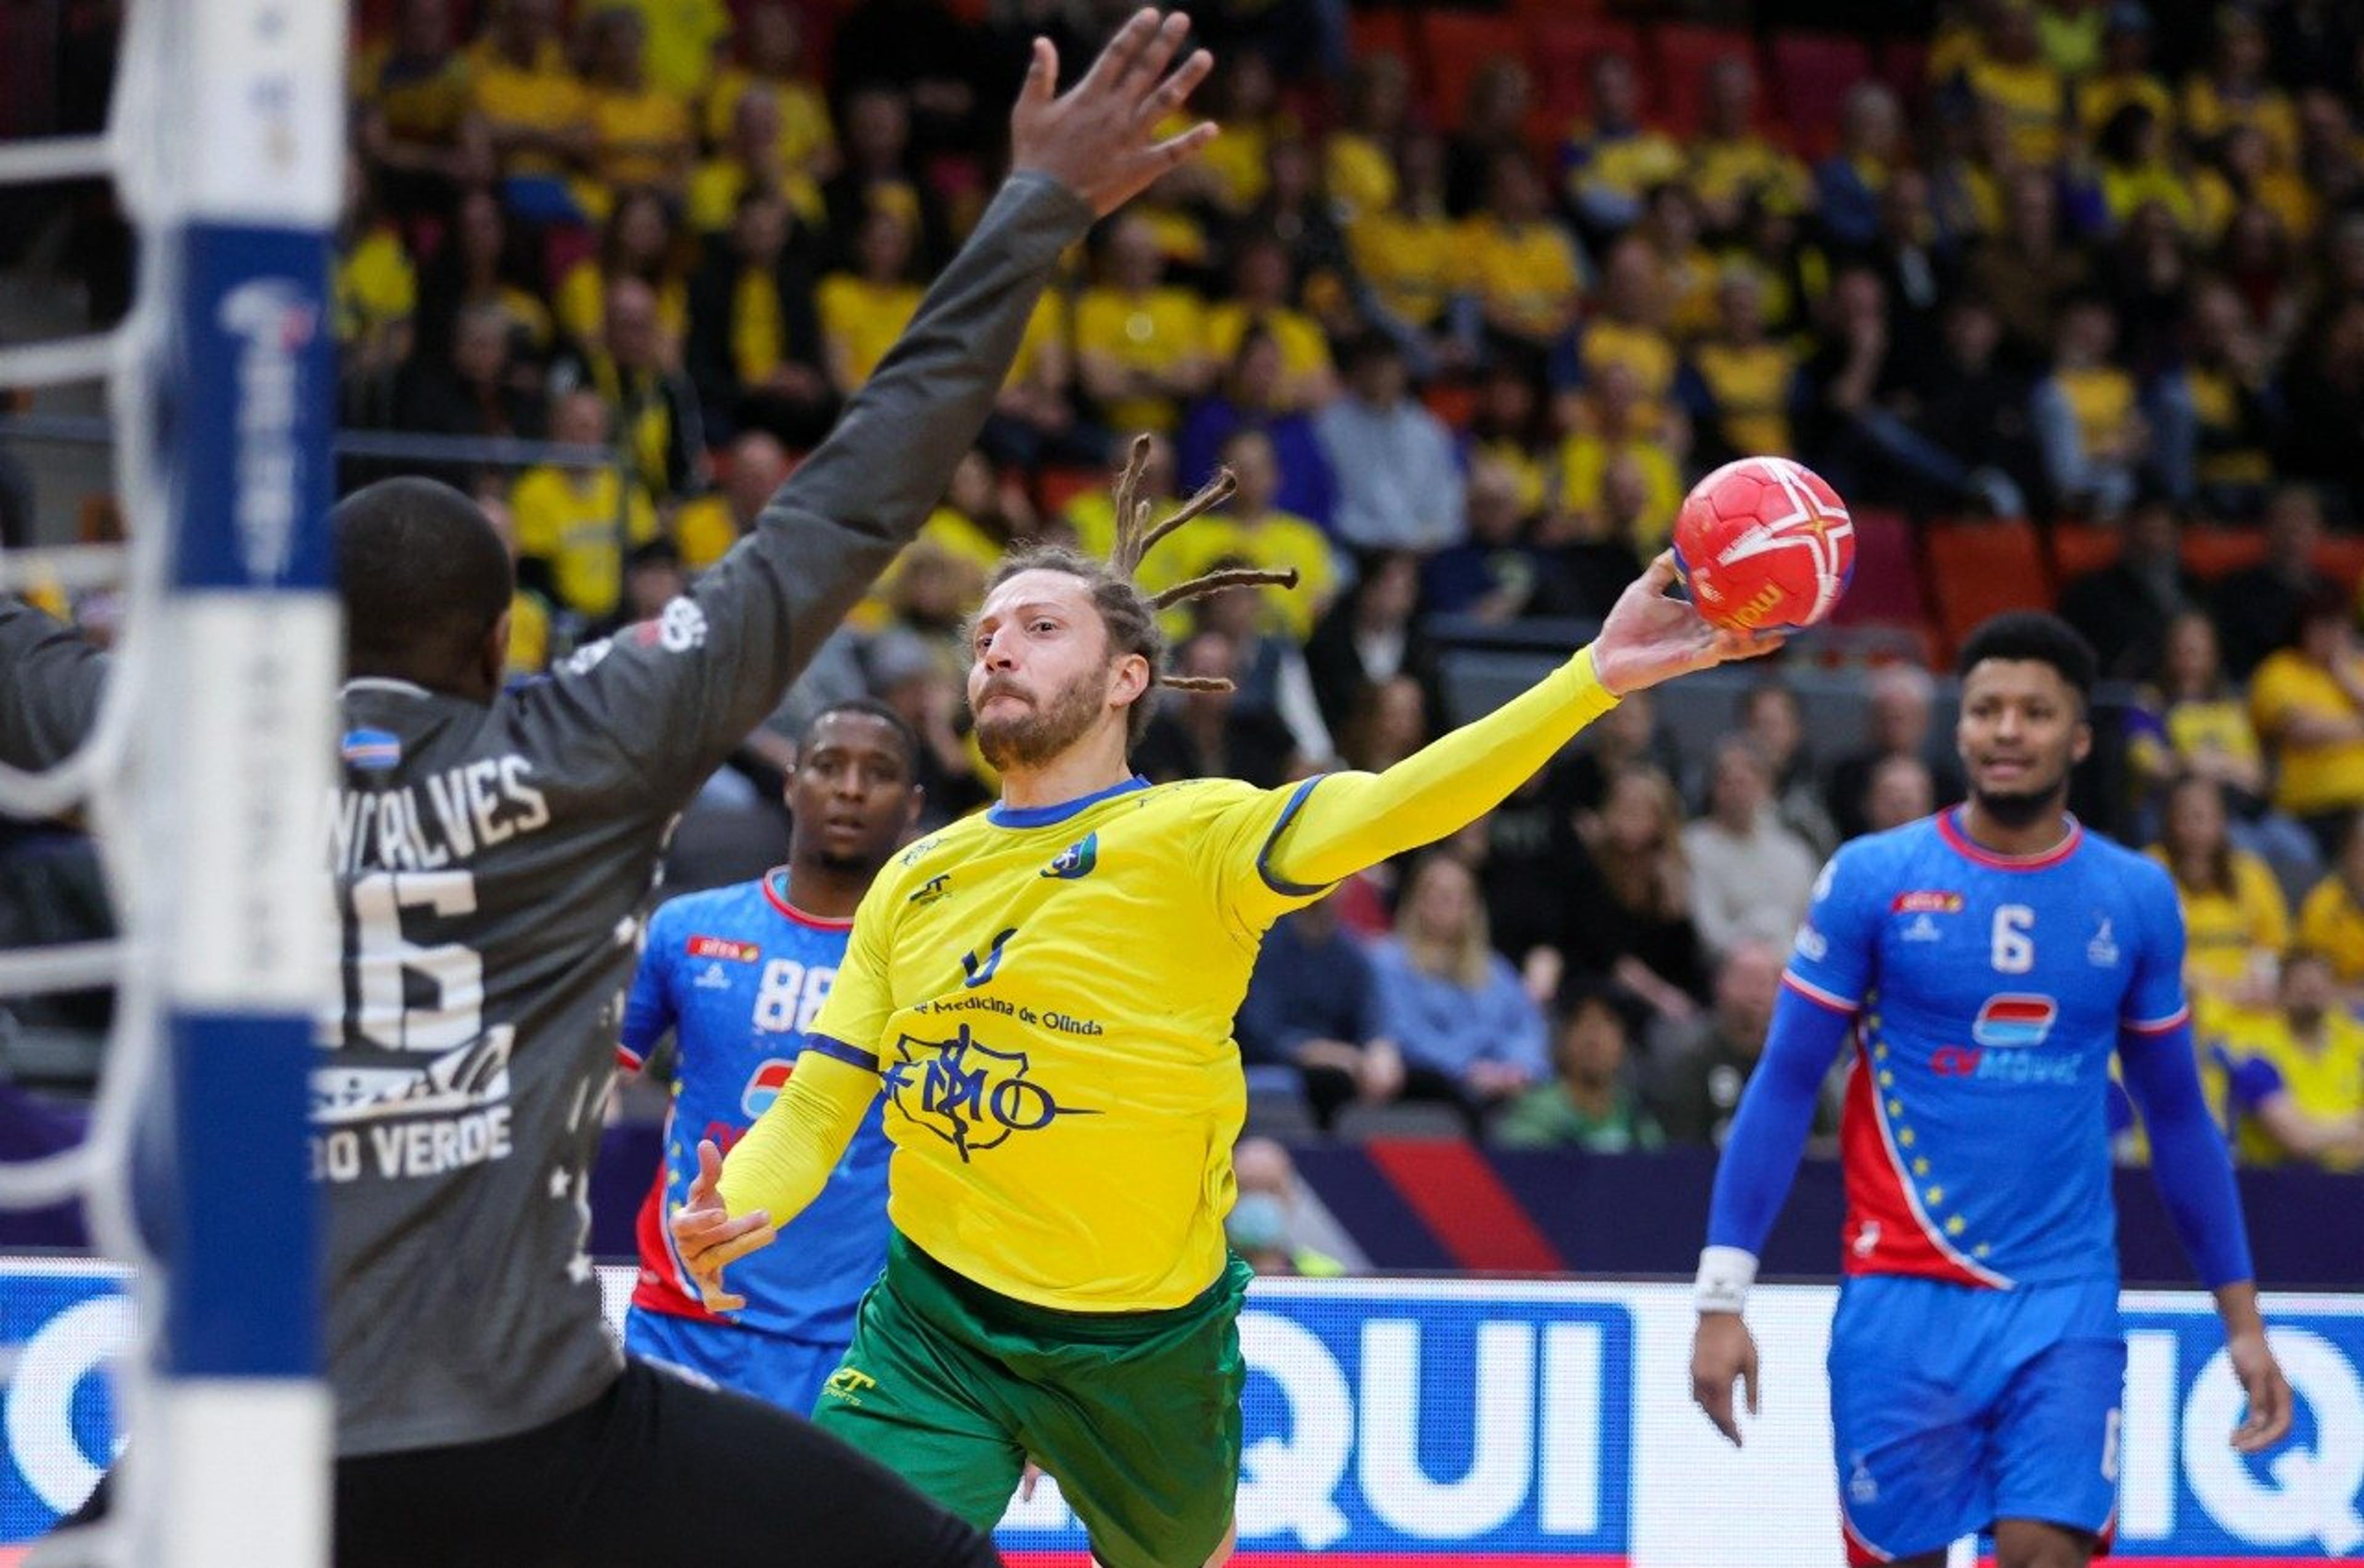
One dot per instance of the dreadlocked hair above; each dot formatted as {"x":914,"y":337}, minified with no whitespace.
{"x":1129,"y":614}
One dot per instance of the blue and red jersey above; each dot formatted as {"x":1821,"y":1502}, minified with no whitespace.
{"x":739,"y":974}
{"x":1988,"y":993}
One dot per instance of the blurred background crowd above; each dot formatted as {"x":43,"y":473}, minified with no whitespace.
{"x":2066,"y":298}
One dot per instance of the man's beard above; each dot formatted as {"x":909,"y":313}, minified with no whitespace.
{"x":1040,"y":732}
{"x":2024,"y":808}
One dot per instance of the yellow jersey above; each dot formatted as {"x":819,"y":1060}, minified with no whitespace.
{"x":1361,"y":177}
{"x":377,"y":286}
{"x":582,"y":302}
{"x":1304,"y":351}
{"x":682,"y":38}
{"x":1275,"y":542}
{"x":806,"y":135}
{"x":1049,"y":994}
{"x":1412,"y":261}
{"x":643,"y":137}
{"x":1750,"y":385}
{"x":529,"y":634}
{"x":1156,"y":331}
{"x":2100,"y":98}
{"x":581,"y":530}
{"x":2331,"y":921}
{"x":422,"y":100}
{"x":704,"y":530}
{"x":2309,"y":779}
{"x":864,"y":319}
{"x":2209,"y":114}
{"x":2326,"y":1080}
{"x":1724,"y":173}
{"x":2225,"y":930}
{"x":1645,"y":350}
{"x":1525,"y":274}
{"x":548,"y":98}
{"x":1583,"y":466}
{"x":2032,"y":100}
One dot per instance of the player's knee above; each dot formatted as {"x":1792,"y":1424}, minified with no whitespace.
{"x":1223,"y":1552}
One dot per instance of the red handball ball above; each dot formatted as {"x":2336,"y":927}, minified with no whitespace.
{"x":1764,"y":544}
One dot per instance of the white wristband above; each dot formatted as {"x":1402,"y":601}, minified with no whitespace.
{"x":1724,"y":1276}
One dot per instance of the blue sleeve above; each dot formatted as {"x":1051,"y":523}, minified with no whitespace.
{"x":648,"y":1005}
{"x":1692,"y":392}
{"x":1777,"y":1111}
{"x":2253,"y":1081}
{"x":2188,"y":1157}
{"x":1830,"y":963}
{"x":2155,"y":1001}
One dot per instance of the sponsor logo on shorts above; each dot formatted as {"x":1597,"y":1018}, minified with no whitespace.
{"x":849,"y":1384}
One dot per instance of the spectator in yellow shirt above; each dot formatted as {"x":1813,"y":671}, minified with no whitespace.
{"x":412,"y":97}
{"x":2331,"y":917}
{"x":1670,"y":227}
{"x":2296,"y":1075}
{"x":2308,"y":702}
{"x":754,"y":339}
{"x":2125,"y":76}
{"x":1629,"y":331}
{"x":805,"y":142}
{"x":638,"y":240}
{"x":1141,"y":345}
{"x":636,"y":370}
{"x":705,"y":527}
{"x":533,"y":112}
{"x":1356,"y":163}
{"x":1034,"y":418}
{"x":1521,"y":265}
{"x":574,"y":524}
{"x":749,"y":159}
{"x":376,"y":297}
{"x":2087,"y":423}
{"x":1091,"y":516}
{"x":863,"y":313}
{"x":2012,"y":75}
{"x":2135,"y":171}
{"x":2234,"y":921}
{"x":1615,"y":477}
{"x":684,"y":38}
{"x":2245,"y":171}
{"x":479,"y":265}
{"x":1612,"y":163}
{"x":1409,"y":258}
{"x":2235,"y":90}
{"x":1731,"y":163}
{"x":1736,"y":385}
{"x":1258,"y":301}
{"x":1251,"y":118}
{"x":641,"y":133}
{"x":1252,"y":529}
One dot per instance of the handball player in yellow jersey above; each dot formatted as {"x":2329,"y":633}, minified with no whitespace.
{"x":1044,"y":994}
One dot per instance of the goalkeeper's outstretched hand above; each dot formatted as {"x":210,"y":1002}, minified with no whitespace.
{"x":1098,"y":137}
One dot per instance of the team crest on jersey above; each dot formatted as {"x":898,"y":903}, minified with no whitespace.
{"x":1925,"y":901}
{"x":1076,"y":861}
{"x":2101,"y":952}
{"x":370,"y":751}
{"x":2008,"y":1022}
{"x":969,"y":1094}
{"x":763,"y":1086}
{"x":724,"y":948}
{"x":1924,"y":929}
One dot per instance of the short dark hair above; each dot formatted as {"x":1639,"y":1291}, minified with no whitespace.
{"x":906,"y":738}
{"x":2033,"y":635}
{"x":423,"y":577}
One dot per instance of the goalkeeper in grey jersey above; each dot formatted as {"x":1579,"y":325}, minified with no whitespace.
{"x":493,"y":853}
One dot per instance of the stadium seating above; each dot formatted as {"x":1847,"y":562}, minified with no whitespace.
{"x":1562,"y":51}
{"x":2081,"y":548}
{"x":1680,"y":54}
{"x":1455,"y":46}
{"x":1811,"y":75}
{"x":1886,"y":589}
{"x":2210,"y":553}
{"x":2341,"y":557}
{"x":1981,"y":569}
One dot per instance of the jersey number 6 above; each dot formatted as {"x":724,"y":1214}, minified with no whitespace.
{"x":2015,"y":950}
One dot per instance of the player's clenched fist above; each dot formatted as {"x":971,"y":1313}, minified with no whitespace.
{"x":708,"y":1239}
{"x":1098,"y":139}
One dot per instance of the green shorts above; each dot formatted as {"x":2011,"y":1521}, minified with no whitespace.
{"x":1135,"y":1414}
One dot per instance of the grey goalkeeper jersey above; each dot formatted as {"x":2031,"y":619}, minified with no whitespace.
{"x":491,"y":865}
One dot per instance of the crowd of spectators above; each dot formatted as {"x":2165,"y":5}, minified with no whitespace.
{"x":2094,"y":264}
{"x":1458,"y":367}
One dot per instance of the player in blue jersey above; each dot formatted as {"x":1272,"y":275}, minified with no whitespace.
{"x":738,"y":974}
{"x":1984,"y":964}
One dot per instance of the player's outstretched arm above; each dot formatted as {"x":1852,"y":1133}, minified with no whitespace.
{"x":679,"y":693}
{"x":1352,"y":820}
{"x":50,"y":684}
{"x":1752,"y":1180}
{"x":2194,"y":1173}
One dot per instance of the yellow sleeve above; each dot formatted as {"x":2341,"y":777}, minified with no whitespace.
{"x":534,"y":512}
{"x":1340,"y":824}
{"x":2270,"y":697}
{"x":781,"y":1164}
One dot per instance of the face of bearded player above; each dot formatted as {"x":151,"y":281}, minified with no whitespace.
{"x":2020,"y":731}
{"x":1043,"y":680}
